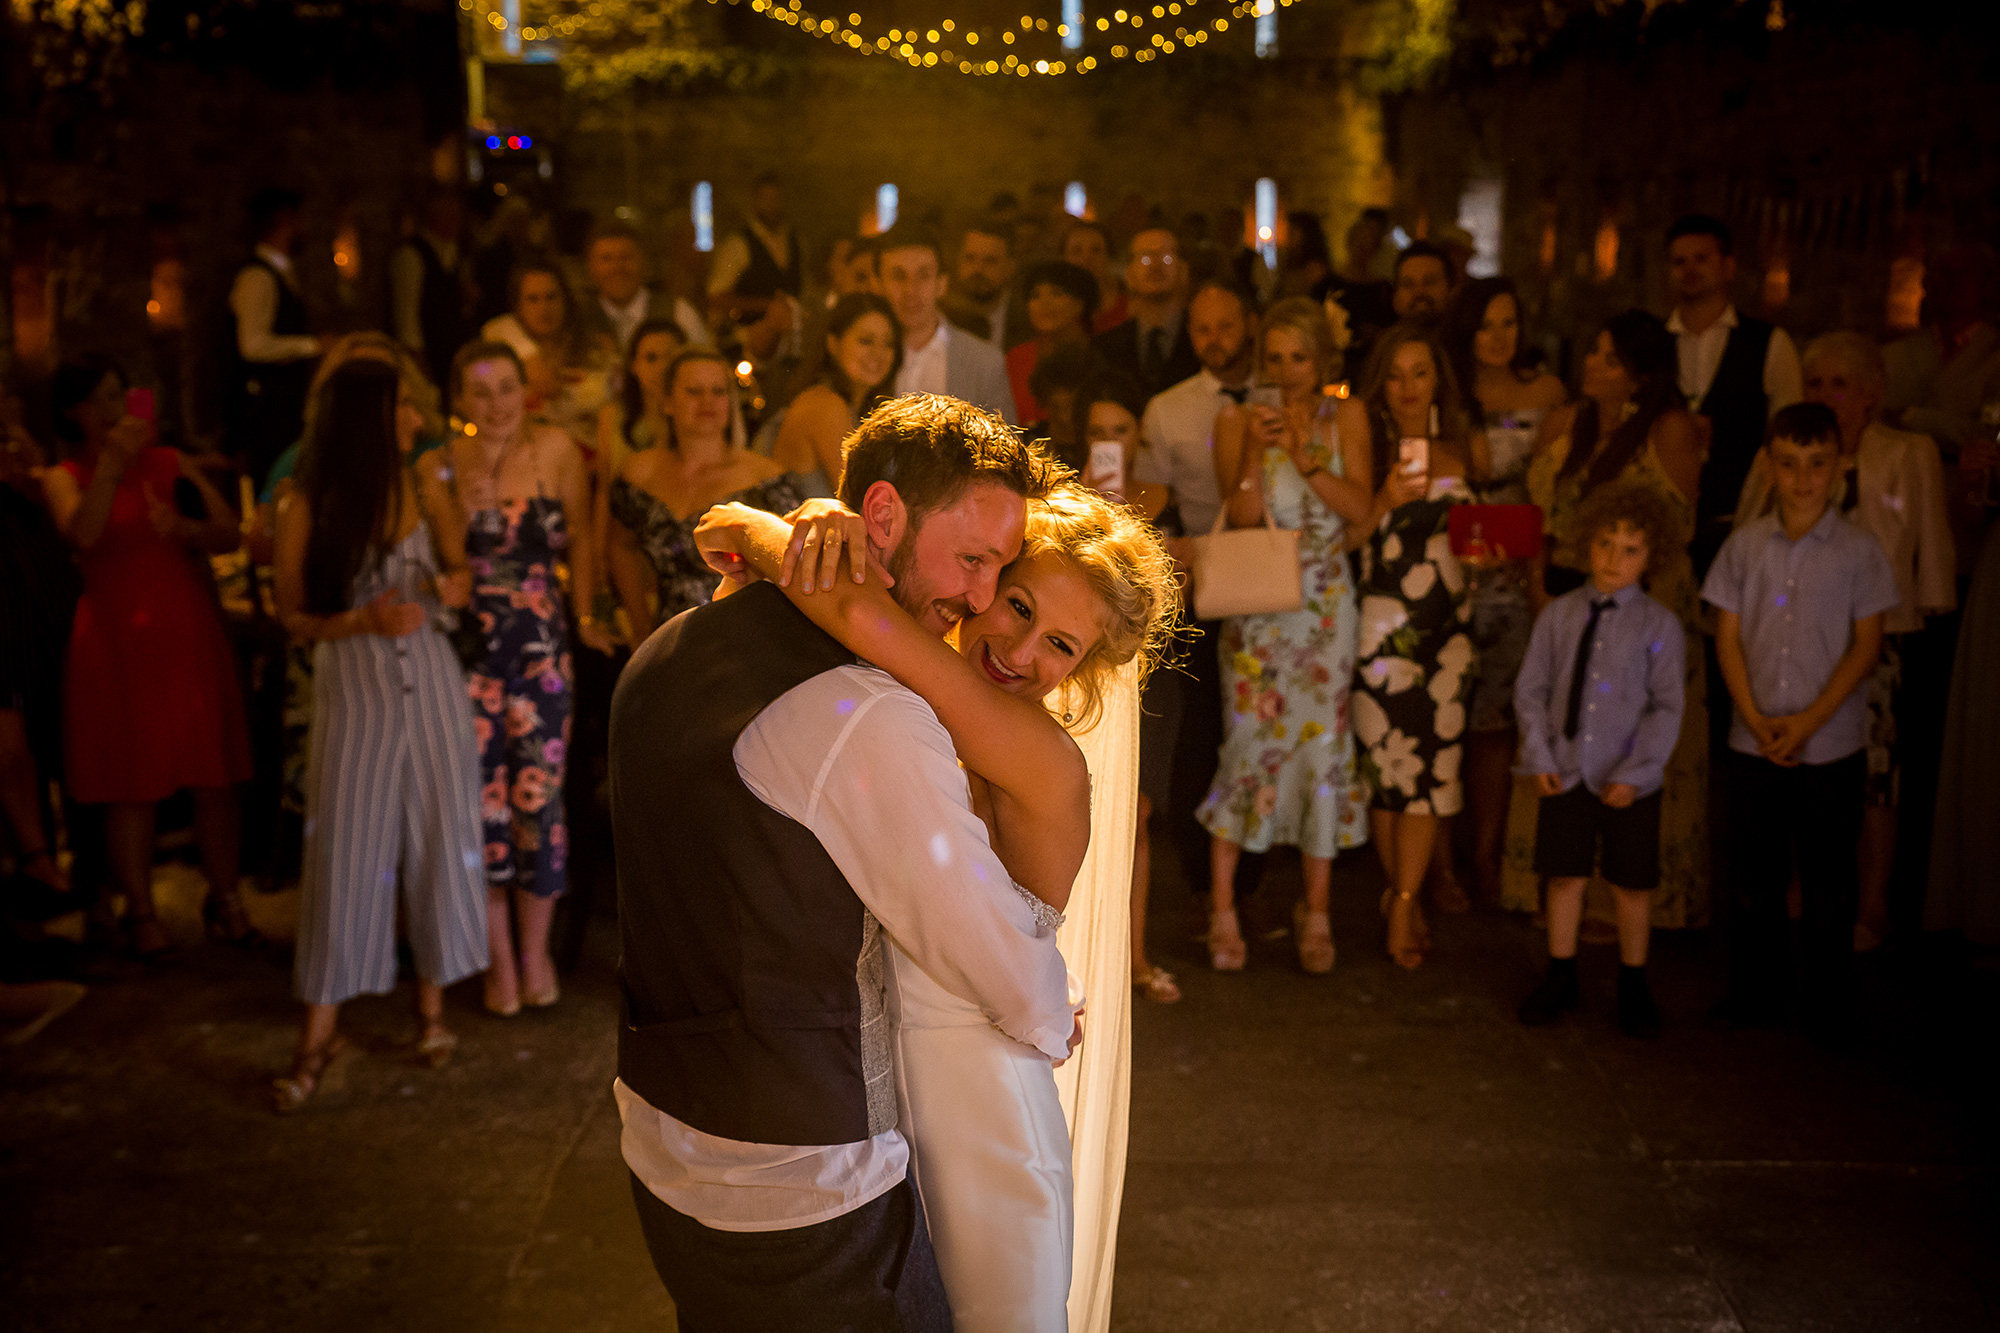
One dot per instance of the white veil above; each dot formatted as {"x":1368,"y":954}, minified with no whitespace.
{"x":1096,"y":940}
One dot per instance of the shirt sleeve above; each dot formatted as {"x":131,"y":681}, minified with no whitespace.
{"x":1784,"y":382}
{"x":732,"y":257}
{"x":1723,"y":588}
{"x":1531,"y":696}
{"x":253,"y":299}
{"x":1659,"y":728}
{"x":888,"y":803}
{"x":1937,"y":559}
{"x":406,"y":292}
{"x":1151,"y":465}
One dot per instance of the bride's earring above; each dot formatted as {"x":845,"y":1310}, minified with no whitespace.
{"x":1068,"y":718}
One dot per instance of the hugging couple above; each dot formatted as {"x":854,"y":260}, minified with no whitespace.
{"x":852,"y":802}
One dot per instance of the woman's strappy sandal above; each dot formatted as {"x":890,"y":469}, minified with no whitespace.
{"x":314,"y":1072}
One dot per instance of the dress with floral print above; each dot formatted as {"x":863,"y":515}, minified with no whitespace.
{"x":1286,"y":772}
{"x":684,"y":578}
{"x":521,"y":693}
{"x":1417,"y":659}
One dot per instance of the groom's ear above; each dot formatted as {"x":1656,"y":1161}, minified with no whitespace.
{"x":883,"y":511}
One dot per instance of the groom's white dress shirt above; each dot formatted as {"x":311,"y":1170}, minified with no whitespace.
{"x":867,"y":768}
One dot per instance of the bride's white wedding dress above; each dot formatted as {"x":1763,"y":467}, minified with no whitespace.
{"x":1024,"y":1225}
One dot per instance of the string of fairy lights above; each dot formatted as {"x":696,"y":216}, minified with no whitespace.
{"x":938,"y":46}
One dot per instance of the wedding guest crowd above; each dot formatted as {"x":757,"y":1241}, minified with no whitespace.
{"x":1720,"y":633}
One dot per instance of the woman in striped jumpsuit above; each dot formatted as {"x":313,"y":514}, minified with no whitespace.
{"x":392,"y":771}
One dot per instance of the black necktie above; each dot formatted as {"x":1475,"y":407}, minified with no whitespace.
{"x":1236,"y":396}
{"x":1156,"y":353}
{"x":1581,"y":671}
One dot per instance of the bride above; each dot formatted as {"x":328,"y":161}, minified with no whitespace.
{"x":1077,"y":619}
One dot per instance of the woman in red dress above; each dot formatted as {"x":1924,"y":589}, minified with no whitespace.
{"x":150,"y":703}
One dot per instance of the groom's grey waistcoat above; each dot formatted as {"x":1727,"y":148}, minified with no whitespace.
{"x":752,"y":973}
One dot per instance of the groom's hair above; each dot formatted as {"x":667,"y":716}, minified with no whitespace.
{"x":930,"y":448}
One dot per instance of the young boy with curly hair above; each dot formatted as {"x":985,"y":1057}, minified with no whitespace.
{"x":1599,"y":705}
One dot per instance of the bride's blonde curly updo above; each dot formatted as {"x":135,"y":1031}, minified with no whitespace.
{"x":1123,"y":560}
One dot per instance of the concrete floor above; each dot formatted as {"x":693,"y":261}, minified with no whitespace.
{"x":1374,"y":1150}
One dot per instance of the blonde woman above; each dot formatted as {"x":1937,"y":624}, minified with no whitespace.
{"x":1287,"y":772}
{"x":1090,"y":595}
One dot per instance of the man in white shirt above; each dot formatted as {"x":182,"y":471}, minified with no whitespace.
{"x":273,"y":353}
{"x":616,"y":264}
{"x":1176,"y":450}
{"x":779,"y":807}
{"x":1735,"y":372}
{"x":935,"y":359}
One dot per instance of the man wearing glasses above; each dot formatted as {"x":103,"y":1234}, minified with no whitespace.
{"x":1153,"y":345}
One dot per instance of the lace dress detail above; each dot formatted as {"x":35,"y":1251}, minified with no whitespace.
{"x":1045,"y":915}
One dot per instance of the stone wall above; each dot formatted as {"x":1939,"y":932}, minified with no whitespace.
{"x":127,"y":210}
{"x":1176,"y":136}
{"x":1830,"y":151}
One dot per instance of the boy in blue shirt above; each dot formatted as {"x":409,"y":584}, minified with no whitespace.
{"x":1800,"y":595}
{"x":1599,"y":702}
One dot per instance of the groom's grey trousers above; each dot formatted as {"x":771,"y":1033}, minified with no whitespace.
{"x":868,"y":1271}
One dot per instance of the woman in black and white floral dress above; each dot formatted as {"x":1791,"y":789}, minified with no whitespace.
{"x":1414,"y":669}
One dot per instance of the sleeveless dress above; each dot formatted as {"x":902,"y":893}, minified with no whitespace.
{"x":1417,"y":658}
{"x":150,"y":699}
{"x":1502,"y":615}
{"x":1287,"y":774}
{"x":522,"y":693}
{"x":392,"y":791}
{"x":684,"y":578}
{"x":1683,"y":895}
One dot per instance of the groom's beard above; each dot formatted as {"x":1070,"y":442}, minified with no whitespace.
{"x":913,"y":593}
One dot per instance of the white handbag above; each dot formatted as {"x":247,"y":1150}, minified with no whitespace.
{"x":1246,"y":571}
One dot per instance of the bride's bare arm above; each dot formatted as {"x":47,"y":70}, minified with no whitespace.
{"x":1040,"y":785}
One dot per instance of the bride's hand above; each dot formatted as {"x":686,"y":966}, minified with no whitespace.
{"x":1075,"y":1039}
{"x":718,"y":537}
{"x":821,"y":530}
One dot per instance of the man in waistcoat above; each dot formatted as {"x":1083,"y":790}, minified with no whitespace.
{"x":759,"y":260}
{"x":270,"y":353}
{"x":430,"y":285}
{"x":778,"y":807}
{"x":1736,"y":372}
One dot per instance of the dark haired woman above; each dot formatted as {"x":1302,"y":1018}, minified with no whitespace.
{"x":525,"y":491}
{"x":1628,"y":425}
{"x":660,"y":494}
{"x":857,"y":374}
{"x":1062,"y":305}
{"x":635,"y":420}
{"x":150,"y":702}
{"x":1415,"y":665}
{"x":392,"y":772}
{"x":1510,"y":396}
{"x":567,"y":366}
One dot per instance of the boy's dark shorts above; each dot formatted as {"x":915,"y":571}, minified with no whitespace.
{"x":1570,"y":828}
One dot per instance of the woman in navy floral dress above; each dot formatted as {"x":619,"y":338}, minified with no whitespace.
{"x":526,"y":492}
{"x":660,"y":494}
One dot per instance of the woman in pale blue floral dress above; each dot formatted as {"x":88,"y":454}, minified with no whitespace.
{"x":1287,"y":764}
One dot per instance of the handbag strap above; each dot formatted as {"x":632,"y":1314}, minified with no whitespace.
{"x":1222,"y":518}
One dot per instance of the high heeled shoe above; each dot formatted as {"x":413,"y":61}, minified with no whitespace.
{"x":1314,"y":935}
{"x":318,"y":1071}
{"x":1226,"y":950}
{"x":147,"y":938}
{"x":224,"y":920}
{"x":434,"y":1048}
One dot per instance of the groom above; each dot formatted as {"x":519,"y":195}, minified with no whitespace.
{"x":777,"y":806}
